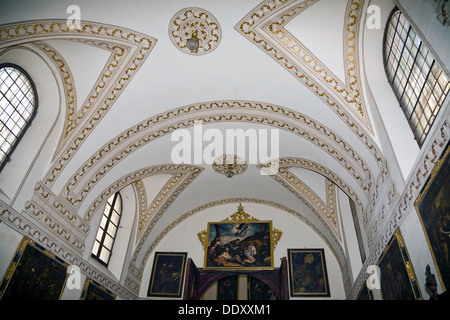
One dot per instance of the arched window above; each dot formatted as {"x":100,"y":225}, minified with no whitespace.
{"x":416,"y":77}
{"x":18,"y":104}
{"x":107,"y":231}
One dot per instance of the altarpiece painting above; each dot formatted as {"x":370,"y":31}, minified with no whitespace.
{"x":240,"y":242}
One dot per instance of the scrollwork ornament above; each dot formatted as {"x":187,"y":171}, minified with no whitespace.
{"x":195,"y":23}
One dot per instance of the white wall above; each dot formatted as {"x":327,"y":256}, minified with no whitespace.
{"x":9,"y":242}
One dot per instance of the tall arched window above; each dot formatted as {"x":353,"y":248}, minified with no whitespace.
{"x":416,"y":77}
{"x":18,"y":104}
{"x":107,"y":231}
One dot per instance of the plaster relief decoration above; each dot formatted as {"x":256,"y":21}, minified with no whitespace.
{"x":265,"y":27}
{"x":247,"y":111}
{"x":229,"y":165}
{"x":240,"y":242}
{"x":129,"y":49}
{"x":195,"y":31}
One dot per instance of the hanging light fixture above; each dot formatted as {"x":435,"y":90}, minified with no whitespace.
{"x":229,"y":165}
{"x":229,"y":173}
{"x":193,"y":42}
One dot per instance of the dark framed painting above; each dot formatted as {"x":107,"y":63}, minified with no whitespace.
{"x":34,"y":274}
{"x":308,"y":273}
{"x":167,"y":275}
{"x":192,"y":281}
{"x":227,"y":288}
{"x":365,"y":294}
{"x":397,"y":277}
{"x":258,"y":290}
{"x":433,"y":208}
{"x":239,"y":246}
{"x":94,"y":291}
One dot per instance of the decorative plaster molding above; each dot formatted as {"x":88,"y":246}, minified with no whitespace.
{"x":117,"y":59}
{"x":210,"y":112}
{"x":288,"y":162}
{"x":264,"y":26}
{"x":115,"y":76}
{"x":27,"y":227}
{"x":326,"y":212}
{"x":189,"y":20}
{"x":184,"y":175}
{"x":146,"y":216}
{"x":229,"y":162}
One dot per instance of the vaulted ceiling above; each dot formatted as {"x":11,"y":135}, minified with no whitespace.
{"x":127,"y":83}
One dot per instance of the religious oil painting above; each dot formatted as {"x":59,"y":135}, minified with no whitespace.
{"x":94,"y":291}
{"x":239,"y":246}
{"x":308,"y":273}
{"x":258,"y":290}
{"x":167,"y":275}
{"x":227,"y":288}
{"x":397,"y":278}
{"x":433,"y":208}
{"x":34,"y":274}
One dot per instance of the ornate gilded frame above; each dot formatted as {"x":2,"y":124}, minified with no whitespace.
{"x":94,"y":291}
{"x":15,"y":263}
{"x":397,"y":237}
{"x":435,"y":173}
{"x":240,"y":216}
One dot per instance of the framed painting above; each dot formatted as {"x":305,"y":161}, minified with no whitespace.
{"x":308,"y":273}
{"x":258,"y":290}
{"x":227,"y":288}
{"x":167,"y":275}
{"x":365,"y":293}
{"x":239,"y":246}
{"x":433,"y":208}
{"x":34,"y":274}
{"x":94,"y":291}
{"x":397,"y":277}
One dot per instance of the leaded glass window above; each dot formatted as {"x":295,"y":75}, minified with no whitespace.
{"x":416,"y":77}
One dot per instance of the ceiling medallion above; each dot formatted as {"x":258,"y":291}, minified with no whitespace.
{"x":229,"y":165}
{"x":195,"y":31}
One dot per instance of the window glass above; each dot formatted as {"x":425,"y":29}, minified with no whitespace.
{"x":18,"y":102}
{"x":107,"y":230}
{"x":416,"y":77}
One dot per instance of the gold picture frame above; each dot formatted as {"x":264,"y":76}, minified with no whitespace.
{"x":240,"y":242}
{"x":34,"y":274}
{"x":398,"y":279}
{"x":432,"y":207}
